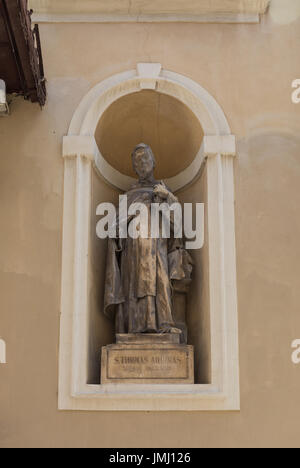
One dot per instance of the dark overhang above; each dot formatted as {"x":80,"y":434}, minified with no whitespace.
{"x":21,"y":64}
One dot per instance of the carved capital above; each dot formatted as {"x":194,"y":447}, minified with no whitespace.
{"x":225,"y":145}
{"x":84,"y":146}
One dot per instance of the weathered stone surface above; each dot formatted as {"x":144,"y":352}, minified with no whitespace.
{"x":147,"y":364}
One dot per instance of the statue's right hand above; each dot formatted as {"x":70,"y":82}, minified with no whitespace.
{"x":161,"y":191}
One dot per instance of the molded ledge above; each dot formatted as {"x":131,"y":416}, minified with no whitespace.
{"x":99,"y":11}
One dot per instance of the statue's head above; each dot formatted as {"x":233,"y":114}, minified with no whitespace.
{"x":143,"y":161}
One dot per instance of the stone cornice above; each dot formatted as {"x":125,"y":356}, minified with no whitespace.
{"x":206,"y":11}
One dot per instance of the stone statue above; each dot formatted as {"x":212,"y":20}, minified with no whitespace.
{"x":147,"y":279}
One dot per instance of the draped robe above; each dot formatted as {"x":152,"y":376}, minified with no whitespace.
{"x":139,"y":274}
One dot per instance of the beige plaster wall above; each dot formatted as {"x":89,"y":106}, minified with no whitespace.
{"x":249,"y":70}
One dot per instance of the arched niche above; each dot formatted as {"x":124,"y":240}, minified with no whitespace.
{"x":216,"y":340}
{"x":157,"y":119}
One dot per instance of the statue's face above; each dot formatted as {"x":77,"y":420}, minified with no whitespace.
{"x":143,"y":163}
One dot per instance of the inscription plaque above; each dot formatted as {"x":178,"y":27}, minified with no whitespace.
{"x":145,"y":363}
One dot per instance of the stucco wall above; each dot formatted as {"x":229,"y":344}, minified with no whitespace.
{"x":249,"y":70}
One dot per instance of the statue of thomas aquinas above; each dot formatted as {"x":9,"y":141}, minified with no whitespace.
{"x":144,"y":274}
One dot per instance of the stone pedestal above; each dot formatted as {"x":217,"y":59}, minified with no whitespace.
{"x":147,"y":359}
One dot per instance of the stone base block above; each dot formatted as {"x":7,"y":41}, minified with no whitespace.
{"x":147,"y":363}
{"x":148,"y":338}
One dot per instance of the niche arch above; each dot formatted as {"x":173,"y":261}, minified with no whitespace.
{"x":82,"y":155}
{"x":152,"y":77}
